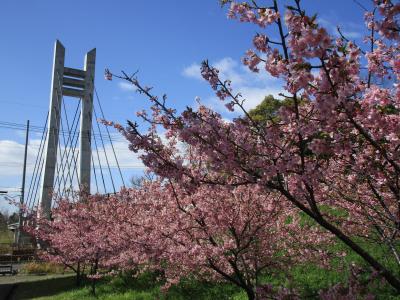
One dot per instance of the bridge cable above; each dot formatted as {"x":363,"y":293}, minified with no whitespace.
{"x":39,"y":154}
{"x":60,"y":165}
{"x":58,"y":117}
{"x":105,"y":153}
{"x":109,"y":136}
{"x":95,"y":175}
{"x":69,"y":147}
{"x":41,"y":167}
{"x":98,"y":159}
{"x":60,"y":160}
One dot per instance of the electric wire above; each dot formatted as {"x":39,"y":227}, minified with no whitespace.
{"x":39,"y":129}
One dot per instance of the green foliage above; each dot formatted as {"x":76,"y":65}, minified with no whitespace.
{"x":42,"y":268}
{"x":6,"y":219}
{"x":6,"y":239}
{"x":195,"y":290}
{"x":268,"y":109}
{"x":6,"y":236}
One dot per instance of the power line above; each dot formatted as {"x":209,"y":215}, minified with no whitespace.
{"x":12,"y":164}
{"x":22,"y":127}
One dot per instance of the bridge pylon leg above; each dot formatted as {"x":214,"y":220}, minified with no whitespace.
{"x":73,"y":83}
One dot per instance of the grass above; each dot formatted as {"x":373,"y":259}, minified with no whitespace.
{"x":6,"y":236}
{"x":145,"y":287}
{"x":308,"y":278}
{"x":42,"y":268}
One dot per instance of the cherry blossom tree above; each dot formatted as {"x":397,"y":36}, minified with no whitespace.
{"x":233,"y":234}
{"x":73,"y":236}
{"x":223,"y":233}
{"x":335,"y":148}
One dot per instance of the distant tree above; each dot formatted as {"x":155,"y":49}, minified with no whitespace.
{"x":13,"y":218}
{"x":268,"y":109}
{"x":137,"y":181}
{"x":3,"y":220}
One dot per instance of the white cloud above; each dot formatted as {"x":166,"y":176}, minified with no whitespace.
{"x":12,"y":157}
{"x":254,"y":95}
{"x":126,"y":158}
{"x":252,"y":86}
{"x":229,"y":69}
{"x":349,"y":29}
{"x":192,"y":71}
{"x":126,"y":86}
{"x":352,"y":34}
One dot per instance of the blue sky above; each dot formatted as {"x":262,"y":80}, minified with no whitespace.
{"x":165,"y":40}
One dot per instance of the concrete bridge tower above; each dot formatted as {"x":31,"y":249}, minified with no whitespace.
{"x":73,"y":83}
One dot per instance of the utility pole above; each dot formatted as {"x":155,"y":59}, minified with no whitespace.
{"x":21,"y":201}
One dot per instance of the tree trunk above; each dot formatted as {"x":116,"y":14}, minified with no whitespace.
{"x":94,"y":271}
{"x":250,"y":293}
{"x":78,"y":275}
{"x":390,"y":278}
{"x":384,"y":272}
{"x":93,"y":287}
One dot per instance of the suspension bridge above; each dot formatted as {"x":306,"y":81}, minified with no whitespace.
{"x":71,"y":158}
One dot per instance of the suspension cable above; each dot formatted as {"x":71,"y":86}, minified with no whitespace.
{"x":60,"y":160}
{"x":69,"y":146}
{"x":109,"y":136}
{"x":98,"y":159}
{"x":58,"y":113}
{"x":105,"y":153}
{"x":95,"y":175}
{"x":35,"y":170}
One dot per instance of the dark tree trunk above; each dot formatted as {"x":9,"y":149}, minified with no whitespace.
{"x":78,"y":275}
{"x":383,"y":271}
{"x":93,"y":287}
{"x":250,"y":293}
{"x":94,"y":271}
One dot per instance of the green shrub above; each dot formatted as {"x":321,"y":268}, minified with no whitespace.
{"x":42,"y":268}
